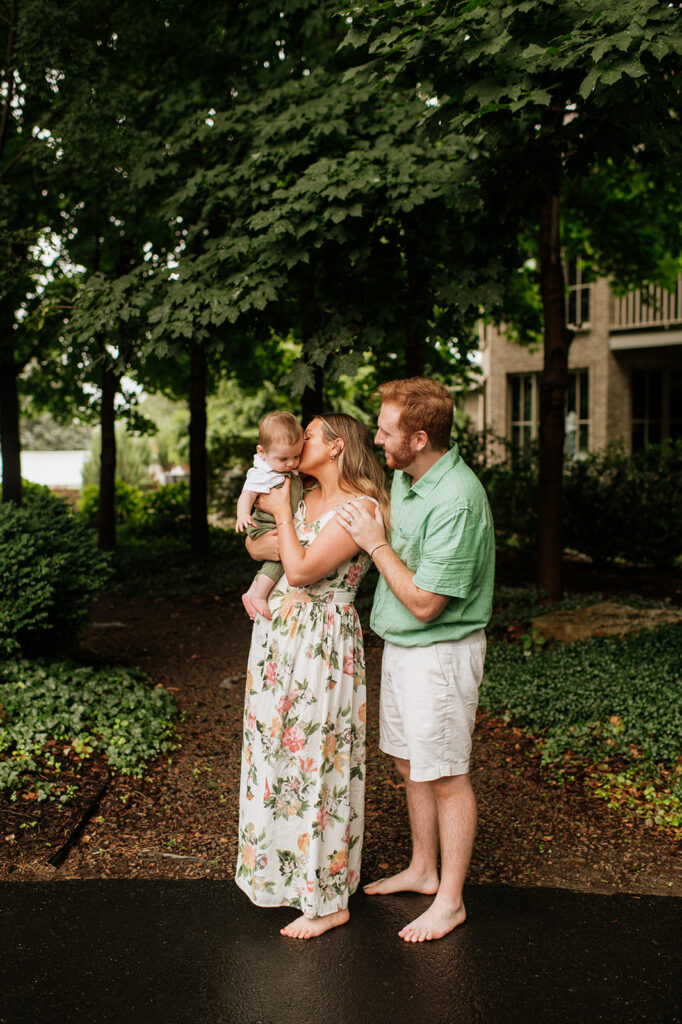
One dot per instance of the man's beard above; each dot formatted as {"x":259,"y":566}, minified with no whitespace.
{"x":402,"y":458}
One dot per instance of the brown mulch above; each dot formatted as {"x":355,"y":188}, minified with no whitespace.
{"x":179,"y":821}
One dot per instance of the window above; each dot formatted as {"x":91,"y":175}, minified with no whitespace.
{"x":578,"y":300}
{"x":577,"y":415}
{"x":524,"y":409}
{"x":656,"y":407}
{"x":524,"y":405}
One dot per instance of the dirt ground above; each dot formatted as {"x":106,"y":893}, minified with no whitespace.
{"x":179,"y":821}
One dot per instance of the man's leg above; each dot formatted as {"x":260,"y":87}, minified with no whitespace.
{"x":456,"y":809}
{"x":422,"y":873}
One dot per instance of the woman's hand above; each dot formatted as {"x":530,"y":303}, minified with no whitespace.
{"x":278,"y":501}
{"x":366,"y":529}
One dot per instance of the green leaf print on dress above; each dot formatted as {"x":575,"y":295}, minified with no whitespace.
{"x":302,"y":783}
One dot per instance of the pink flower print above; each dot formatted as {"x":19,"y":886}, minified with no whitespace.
{"x":354,"y":575}
{"x":285,"y":703}
{"x":293,"y":738}
{"x":271,"y":672}
{"x":353,"y":878}
{"x":349,"y":664}
{"x":308,"y":765}
{"x":322,"y":818}
{"x":310,"y":884}
{"x":266,"y":794}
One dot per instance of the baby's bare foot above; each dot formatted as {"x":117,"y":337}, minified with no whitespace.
{"x":249,"y":605}
{"x":311,"y":927}
{"x":408,"y":880}
{"x":261,"y":606}
{"x":434,"y":923}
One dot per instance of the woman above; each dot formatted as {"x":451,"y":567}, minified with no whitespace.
{"x":302,"y":784}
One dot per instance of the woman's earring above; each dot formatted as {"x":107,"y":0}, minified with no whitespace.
{"x":332,"y":456}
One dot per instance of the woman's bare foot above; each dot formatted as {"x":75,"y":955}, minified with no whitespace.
{"x":434,"y":923}
{"x":408,"y":880}
{"x":311,"y":927}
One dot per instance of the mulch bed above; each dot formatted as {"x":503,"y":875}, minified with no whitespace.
{"x":179,"y":821}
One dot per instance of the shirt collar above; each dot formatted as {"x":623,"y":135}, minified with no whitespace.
{"x":425,"y":484}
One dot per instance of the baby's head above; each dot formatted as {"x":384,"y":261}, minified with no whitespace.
{"x":280,"y":441}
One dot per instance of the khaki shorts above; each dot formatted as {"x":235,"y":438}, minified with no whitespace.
{"x":429,"y":697}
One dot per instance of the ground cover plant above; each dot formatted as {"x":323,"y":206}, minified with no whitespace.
{"x":605,"y":710}
{"x":55,"y":716}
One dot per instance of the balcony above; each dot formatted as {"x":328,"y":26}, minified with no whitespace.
{"x":647,"y":319}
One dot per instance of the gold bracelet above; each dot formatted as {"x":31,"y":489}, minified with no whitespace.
{"x":384,"y":544}
{"x":285,"y":522}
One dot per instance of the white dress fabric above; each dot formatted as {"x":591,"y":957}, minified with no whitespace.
{"x":301,"y":807}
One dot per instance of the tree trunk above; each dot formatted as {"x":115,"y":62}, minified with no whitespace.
{"x":106,"y":509}
{"x":12,"y":489}
{"x":199,"y":536}
{"x":312,"y":399}
{"x":415,"y":318}
{"x":557,"y":340}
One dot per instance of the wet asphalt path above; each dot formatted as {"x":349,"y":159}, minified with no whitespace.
{"x":197,"y":952}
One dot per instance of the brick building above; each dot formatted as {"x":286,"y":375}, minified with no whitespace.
{"x":625,"y":372}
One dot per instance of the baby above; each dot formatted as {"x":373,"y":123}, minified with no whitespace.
{"x":280,"y":441}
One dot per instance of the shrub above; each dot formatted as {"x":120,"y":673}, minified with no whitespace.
{"x":140,"y":514}
{"x":50,"y":570}
{"x":629,"y":507}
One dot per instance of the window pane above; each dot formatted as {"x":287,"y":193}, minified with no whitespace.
{"x":572,"y":271}
{"x":572,"y":311}
{"x":637,"y":437}
{"x":584,"y":305}
{"x":584,"y":396}
{"x":655,"y":394}
{"x":638,"y":395}
{"x":527,"y":398}
{"x":570,"y":397}
{"x":516,"y":399}
{"x":584,"y":437}
{"x":526,"y":435}
{"x":516,"y":437}
{"x":654,"y":432}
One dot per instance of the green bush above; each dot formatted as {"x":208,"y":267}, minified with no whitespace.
{"x":142,"y":513}
{"x":615,"y":506}
{"x":56,"y":714}
{"x":626,"y":507}
{"x":50,"y":570}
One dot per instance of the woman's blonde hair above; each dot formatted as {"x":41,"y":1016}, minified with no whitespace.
{"x":359,"y":470}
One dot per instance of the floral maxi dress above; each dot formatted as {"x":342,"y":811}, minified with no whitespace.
{"x":301,"y":803}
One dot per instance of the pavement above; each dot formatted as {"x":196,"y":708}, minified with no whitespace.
{"x":197,"y":952}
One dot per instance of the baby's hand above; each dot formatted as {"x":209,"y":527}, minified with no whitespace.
{"x":243,"y":522}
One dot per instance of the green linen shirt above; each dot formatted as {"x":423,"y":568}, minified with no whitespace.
{"x":442,"y":530}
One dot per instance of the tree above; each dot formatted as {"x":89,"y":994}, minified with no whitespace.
{"x":549,"y":96}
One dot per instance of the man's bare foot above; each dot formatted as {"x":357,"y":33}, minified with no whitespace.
{"x":434,"y":923}
{"x":261,"y":606}
{"x":311,"y":927}
{"x":408,"y":880}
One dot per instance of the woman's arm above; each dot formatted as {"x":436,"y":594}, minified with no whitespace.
{"x":331,"y":547}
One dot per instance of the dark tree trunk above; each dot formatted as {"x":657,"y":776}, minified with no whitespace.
{"x":199,"y":536}
{"x":106,"y":510}
{"x":312,"y":399}
{"x":557,"y":340}
{"x":12,"y":489}
{"x":415,"y":313}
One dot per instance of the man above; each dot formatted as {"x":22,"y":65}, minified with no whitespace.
{"x":432,"y":603}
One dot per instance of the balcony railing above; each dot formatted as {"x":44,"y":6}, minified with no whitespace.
{"x":650,"y":307}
